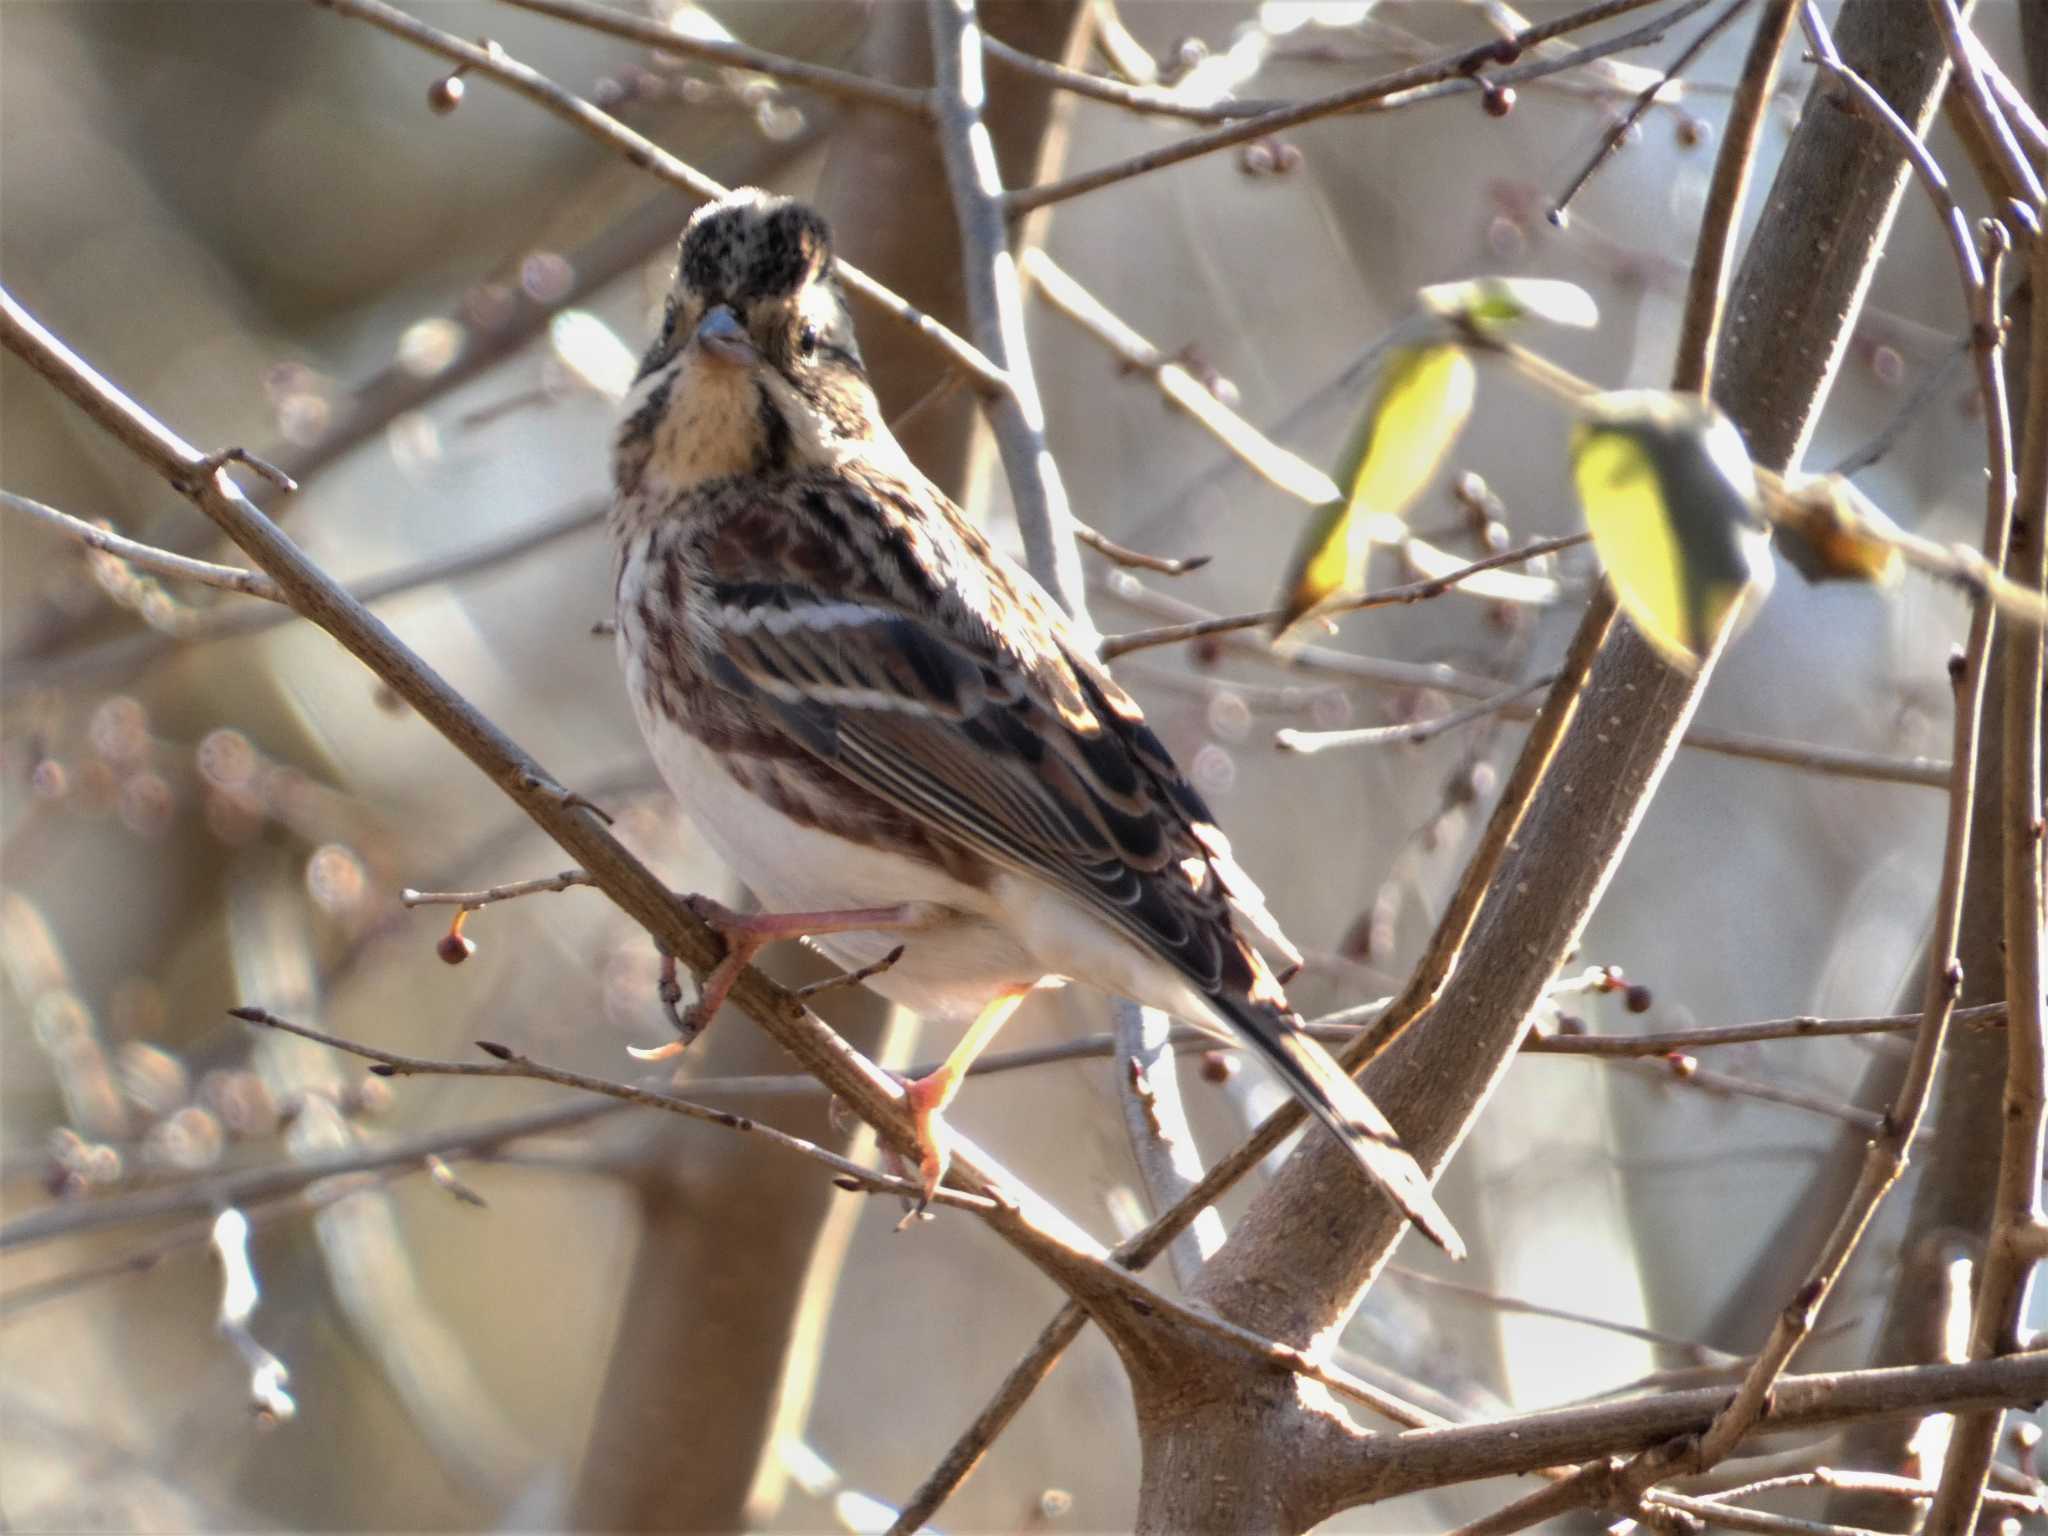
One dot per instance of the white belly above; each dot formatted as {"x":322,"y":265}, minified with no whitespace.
{"x":968,"y":944}
{"x":955,"y":959}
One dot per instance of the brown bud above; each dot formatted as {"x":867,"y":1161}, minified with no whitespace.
{"x":1218,"y":1067}
{"x":455,"y":947}
{"x":1498,"y":100}
{"x":1682,"y":1065}
{"x":1637,"y":999}
{"x":445,"y":95}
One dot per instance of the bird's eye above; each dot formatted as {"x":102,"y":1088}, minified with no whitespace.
{"x":807,"y":340}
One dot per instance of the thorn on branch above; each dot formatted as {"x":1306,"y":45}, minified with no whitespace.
{"x":849,"y":978}
{"x":1120,"y":554}
{"x":192,"y":481}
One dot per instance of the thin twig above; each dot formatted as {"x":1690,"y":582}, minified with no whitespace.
{"x":1404,"y":88}
{"x":249,"y":1186}
{"x":1151,"y":101}
{"x":1155,"y":1120}
{"x":995,"y":303}
{"x":643,"y":152}
{"x":146,"y":557}
{"x":1888,"y":1152}
{"x":510,"y":1063}
{"x":1383,"y":672}
{"x":512,"y":890}
{"x":1983,"y":102}
{"x":1701,"y":1354}
{"x":1278,"y":466}
{"x":1610,"y":141}
{"x":126,"y":654}
{"x":1114,"y":646}
{"x":675,"y":40}
{"x":1134,"y":559}
{"x":1308,"y":743}
{"x":1066,"y":1253}
{"x":1886,"y":1484}
{"x":2013,"y":1246}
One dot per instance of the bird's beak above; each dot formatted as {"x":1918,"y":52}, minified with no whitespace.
{"x":723,"y":337}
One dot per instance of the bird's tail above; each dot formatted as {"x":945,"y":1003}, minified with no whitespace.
{"x":1324,"y":1089}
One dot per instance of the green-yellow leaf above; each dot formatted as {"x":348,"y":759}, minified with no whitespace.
{"x":1671,"y":499}
{"x":1491,"y":303}
{"x":1422,"y":403}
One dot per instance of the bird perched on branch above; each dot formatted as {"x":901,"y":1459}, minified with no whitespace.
{"x":883,"y":723}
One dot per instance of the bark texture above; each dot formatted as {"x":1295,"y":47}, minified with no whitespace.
{"x":1298,"y":1263}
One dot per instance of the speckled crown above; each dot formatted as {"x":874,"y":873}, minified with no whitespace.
{"x":751,"y":245}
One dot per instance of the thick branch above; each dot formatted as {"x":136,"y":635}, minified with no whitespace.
{"x":2011,"y":1250}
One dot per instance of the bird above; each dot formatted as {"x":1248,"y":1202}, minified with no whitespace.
{"x":898,"y":742}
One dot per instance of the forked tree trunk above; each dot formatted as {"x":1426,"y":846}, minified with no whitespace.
{"x":1300,"y":1260}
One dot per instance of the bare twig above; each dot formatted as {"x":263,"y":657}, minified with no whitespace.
{"x":1114,"y":646}
{"x":1134,"y":559}
{"x":641,"y":151}
{"x":2014,"y":1245}
{"x":1152,"y":101}
{"x":1423,"y":82}
{"x":509,"y":1063}
{"x":995,"y":303}
{"x":1266,"y":458}
{"x":1887,"y":1152}
{"x":126,"y":654}
{"x":1616,"y":131}
{"x":238,"y":1298}
{"x":249,"y":1186}
{"x":1888,"y":1485}
{"x":675,"y":40}
{"x":1157,"y":1127}
{"x":470,"y":900}
{"x":1307,"y":743}
{"x":1379,"y":1467}
{"x":145,"y":557}
{"x":1028,"y":1222}
{"x":1983,"y":101}
{"x":1386,"y":673}
{"x":1805,"y":1027}
{"x":1701,"y":1354}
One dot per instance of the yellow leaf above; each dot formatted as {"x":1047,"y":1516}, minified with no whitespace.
{"x":1671,"y":500}
{"x":1422,"y":403}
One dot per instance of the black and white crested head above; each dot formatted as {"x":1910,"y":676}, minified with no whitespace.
{"x":756,"y":369}
{"x":749,"y":246}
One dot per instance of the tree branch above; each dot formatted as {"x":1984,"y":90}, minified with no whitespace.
{"x":145,"y":557}
{"x":674,"y":40}
{"x":643,"y":152}
{"x":2012,"y":1247}
{"x":995,"y":303}
{"x":1447,"y":76}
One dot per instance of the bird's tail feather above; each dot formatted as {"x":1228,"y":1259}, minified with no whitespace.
{"x":1325,"y":1090}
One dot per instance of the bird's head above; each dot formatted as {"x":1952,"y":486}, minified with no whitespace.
{"x":756,"y":369}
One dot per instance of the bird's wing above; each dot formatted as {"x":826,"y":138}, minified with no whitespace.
{"x":941,"y":680}
{"x":948,"y":687}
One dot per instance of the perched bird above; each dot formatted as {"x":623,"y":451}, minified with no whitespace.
{"x":885,"y":726}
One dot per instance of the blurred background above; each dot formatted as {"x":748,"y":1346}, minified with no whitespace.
{"x":258,"y":220}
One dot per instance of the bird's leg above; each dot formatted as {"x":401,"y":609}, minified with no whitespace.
{"x":746,"y":935}
{"x":929,"y":1095}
